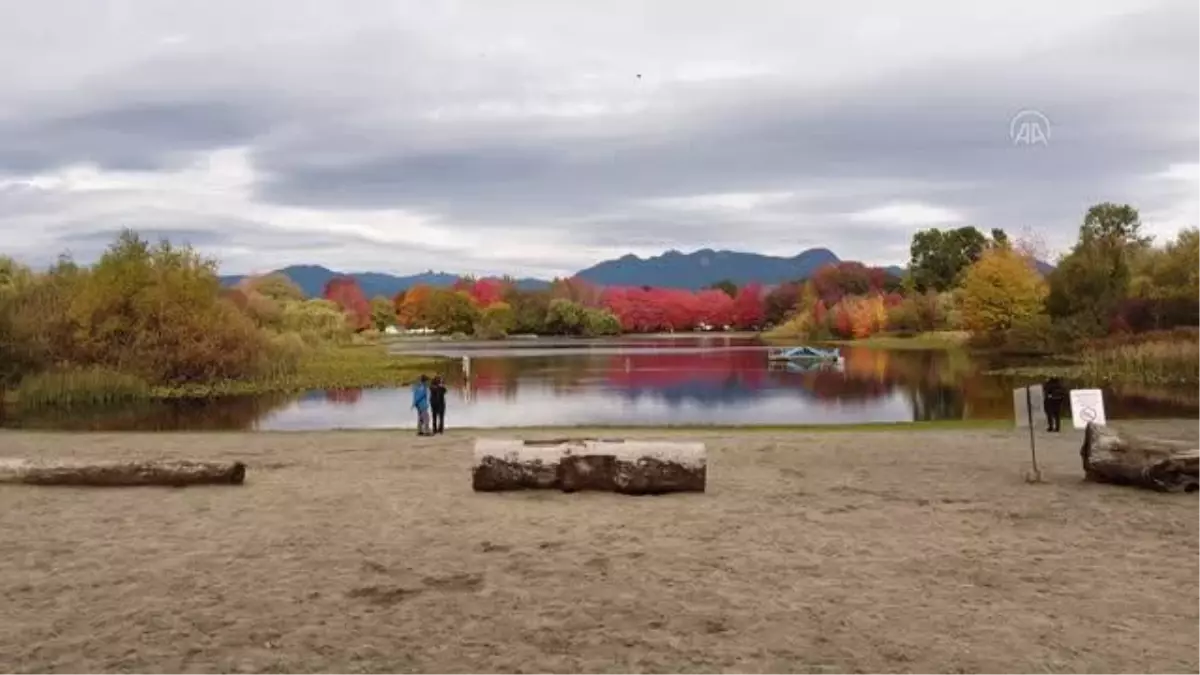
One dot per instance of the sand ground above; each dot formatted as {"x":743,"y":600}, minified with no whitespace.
{"x":921,"y":551}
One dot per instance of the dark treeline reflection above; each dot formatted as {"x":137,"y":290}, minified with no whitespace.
{"x":241,"y":412}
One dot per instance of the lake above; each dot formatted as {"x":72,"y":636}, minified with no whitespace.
{"x":714,"y":379}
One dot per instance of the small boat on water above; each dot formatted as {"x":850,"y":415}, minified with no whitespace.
{"x":803,"y":353}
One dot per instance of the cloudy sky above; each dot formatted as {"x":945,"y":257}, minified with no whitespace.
{"x":540,"y":136}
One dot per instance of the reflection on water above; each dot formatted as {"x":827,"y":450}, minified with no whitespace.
{"x":651,"y":382}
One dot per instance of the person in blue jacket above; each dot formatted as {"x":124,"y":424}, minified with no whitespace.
{"x":420,"y":402}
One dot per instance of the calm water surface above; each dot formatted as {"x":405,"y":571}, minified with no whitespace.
{"x":709,"y":380}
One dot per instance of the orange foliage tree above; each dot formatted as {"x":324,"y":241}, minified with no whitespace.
{"x":412,"y":306}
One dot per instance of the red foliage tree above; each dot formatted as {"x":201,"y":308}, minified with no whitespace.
{"x":837,"y":280}
{"x":841,"y":323}
{"x":781,"y":302}
{"x":484,"y":292}
{"x":820,"y":313}
{"x":714,"y":308}
{"x":346,"y":293}
{"x":748,"y":310}
{"x":644,"y":310}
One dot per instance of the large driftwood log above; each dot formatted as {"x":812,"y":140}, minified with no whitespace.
{"x":175,"y":473}
{"x":627,"y":467}
{"x":513,"y":465}
{"x":1110,"y":456}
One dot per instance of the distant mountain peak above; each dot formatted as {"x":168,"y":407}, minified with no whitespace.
{"x":671,"y":269}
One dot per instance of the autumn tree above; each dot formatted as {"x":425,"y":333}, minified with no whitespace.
{"x":780,"y":302}
{"x":565,"y":317}
{"x":316,"y":321}
{"x":748,"y":307}
{"x":275,"y":286}
{"x":156,"y":312}
{"x":600,"y":322}
{"x":383,"y":313}
{"x":576,"y":290}
{"x":529,"y":309}
{"x":1001,"y":289}
{"x":1090,"y":283}
{"x":345,"y":292}
{"x":450,"y":311}
{"x":939,"y":257}
{"x":495,"y":321}
{"x":412,"y":306}
{"x":714,"y":308}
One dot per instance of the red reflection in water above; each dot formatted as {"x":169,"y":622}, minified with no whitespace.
{"x":651,"y":371}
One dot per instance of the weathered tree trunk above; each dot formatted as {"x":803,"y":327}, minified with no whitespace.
{"x":1121,"y":459}
{"x":514,"y":465}
{"x":633,"y":467}
{"x":177,"y":473}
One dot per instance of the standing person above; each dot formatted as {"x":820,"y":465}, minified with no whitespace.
{"x":437,"y":402}
{"x":420,"y":402}
{"x":1053,"y":395}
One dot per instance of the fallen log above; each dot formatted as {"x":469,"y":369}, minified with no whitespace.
{"x":609,"y":465}
{"x":515,"y":465}
{"x":1110,"y":456}
{"x":173,"y":473}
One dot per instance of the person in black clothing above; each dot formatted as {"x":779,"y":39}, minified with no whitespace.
{"x":1053,"y":395}
{"x":437,"y":402}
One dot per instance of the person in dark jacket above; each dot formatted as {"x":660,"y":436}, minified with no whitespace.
{"x":1053,"y":396}
{"x":437,"y":402}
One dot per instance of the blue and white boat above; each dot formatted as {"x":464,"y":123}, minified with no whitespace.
{"x":804,"y":353}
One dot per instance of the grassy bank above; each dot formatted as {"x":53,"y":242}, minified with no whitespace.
{"x":1168,"y":358}
{"x":360,"y":366}
{"x":919,"y":341}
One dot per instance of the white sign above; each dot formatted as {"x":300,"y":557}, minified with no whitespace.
{"x":1087,"y":405}
{"x":1022,"y":408}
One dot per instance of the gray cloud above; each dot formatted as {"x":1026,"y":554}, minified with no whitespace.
{"x":523,"y":123}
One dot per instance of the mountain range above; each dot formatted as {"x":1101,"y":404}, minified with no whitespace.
{"x":672,"y":269}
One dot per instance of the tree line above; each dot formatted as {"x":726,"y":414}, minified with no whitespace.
{"x":158,"y":316}
{"x":1113,"y":280}
{"x":158,"y":313}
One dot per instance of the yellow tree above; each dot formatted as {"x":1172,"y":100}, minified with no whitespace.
{"x":1002,"y":288}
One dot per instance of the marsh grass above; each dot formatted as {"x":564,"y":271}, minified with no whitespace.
{"x":76,"y":387}
{"x":297,"y":369}
{"x":947,"y":339}
{"x":1163,"y":358}
{"x":1165,"y":362}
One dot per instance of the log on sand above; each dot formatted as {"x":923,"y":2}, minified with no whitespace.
{"x":174,"y":473}
{"x":1110,"y":456}
{"x":515,"y":465}
{"x":614,"y":465}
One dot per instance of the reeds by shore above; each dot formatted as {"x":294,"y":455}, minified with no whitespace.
{"x":327,"y":368}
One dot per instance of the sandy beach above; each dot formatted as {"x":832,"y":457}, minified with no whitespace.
{"x":853,"y":551}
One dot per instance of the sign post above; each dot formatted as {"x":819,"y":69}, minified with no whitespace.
{"x":1023,"y":414}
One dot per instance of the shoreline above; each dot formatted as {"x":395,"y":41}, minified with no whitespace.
{"x":868,"y":427}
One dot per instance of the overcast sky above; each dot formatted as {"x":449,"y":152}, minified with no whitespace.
{"x":539,"y":137}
